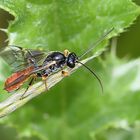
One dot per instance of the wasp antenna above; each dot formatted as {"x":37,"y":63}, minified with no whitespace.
{"x":94,"y":74}
{"x":97,"y":43}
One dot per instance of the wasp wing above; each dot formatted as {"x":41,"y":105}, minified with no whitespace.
{"x":18,"y":58}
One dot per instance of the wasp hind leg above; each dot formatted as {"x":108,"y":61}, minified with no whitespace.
{"x":29,"y":85}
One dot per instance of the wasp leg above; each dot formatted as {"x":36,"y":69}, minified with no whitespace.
{"x":44,"y":78}
{"x":30,"y":83}
{"x":65,"y":73}
{"x":66,"y":53}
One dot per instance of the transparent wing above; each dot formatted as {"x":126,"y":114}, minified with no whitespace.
{"x":18,"y":58}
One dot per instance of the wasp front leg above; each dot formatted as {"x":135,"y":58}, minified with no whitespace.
{"x":65,"y":73}
{"x":66,"y":53}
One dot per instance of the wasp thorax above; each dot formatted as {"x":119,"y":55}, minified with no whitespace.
{"x":58,"y":57}
{"x":71,"y":60}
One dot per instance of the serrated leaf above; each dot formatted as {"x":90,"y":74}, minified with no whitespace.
{"x":66,"y":24}
{"x":74,"y":109}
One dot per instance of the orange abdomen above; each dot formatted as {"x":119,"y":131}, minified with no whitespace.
{"x":16,"y":80}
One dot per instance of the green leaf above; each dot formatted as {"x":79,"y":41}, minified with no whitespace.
{"x":57,"y":25}
{"x":74,"y":109}
{"x":120,"y":130}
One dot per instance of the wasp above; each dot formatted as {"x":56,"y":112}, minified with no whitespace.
{"x":31,"y":64}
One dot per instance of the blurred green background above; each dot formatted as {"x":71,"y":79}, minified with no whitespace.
{"x":128,"y":50}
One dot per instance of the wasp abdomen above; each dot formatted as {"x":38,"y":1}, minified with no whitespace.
{"x":16,"y":80}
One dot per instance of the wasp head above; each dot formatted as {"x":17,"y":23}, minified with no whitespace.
{"x":71,"y":60}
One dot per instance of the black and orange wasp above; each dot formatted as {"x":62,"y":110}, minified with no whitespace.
{"x":31,"y":64}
